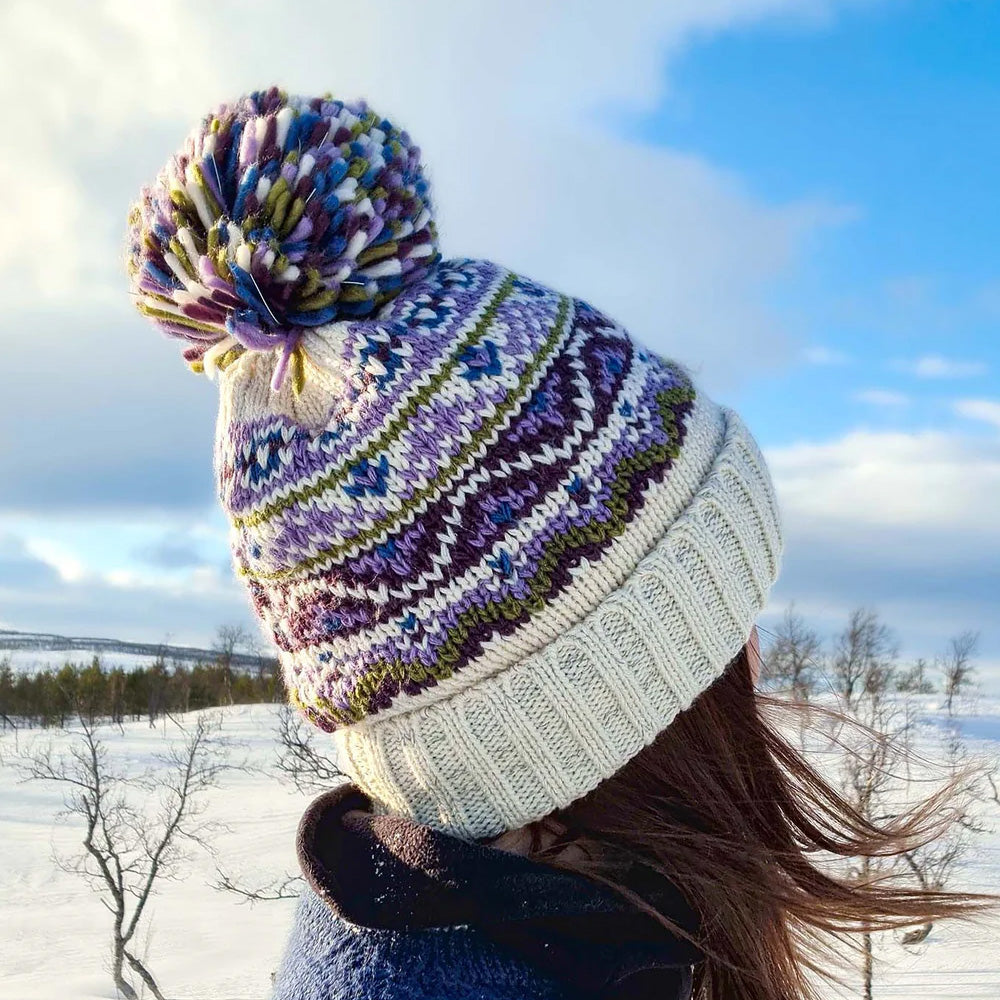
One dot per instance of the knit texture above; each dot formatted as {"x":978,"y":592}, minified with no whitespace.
{"x":498,"y":544}
{"x":394,"y":909}
{"x":326,"y":959}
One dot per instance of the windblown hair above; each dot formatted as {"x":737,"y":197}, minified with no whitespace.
{"x":750,"y":833}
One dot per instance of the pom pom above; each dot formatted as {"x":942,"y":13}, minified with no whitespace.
{"x":280,"y":213}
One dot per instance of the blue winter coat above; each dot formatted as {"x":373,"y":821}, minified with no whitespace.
{"x":395,"y":910}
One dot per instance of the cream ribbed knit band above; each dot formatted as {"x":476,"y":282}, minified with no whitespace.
{"x":507,"y":748}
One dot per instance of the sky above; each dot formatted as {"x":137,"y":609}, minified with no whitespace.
{"x":795,"y":198}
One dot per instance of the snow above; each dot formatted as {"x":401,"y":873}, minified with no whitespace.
{"x":203,"y":943}
{"x":55,"y":934}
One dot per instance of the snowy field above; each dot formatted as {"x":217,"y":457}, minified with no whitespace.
{"x":54,"y":933}
{"x":204,"y":943}
{"x":958,"y":960}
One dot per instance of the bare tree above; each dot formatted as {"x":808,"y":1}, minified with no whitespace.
{"x":956,"y":666}
{"x":877,"y":774}
{"x":868,"y":780}
{"x":864,"y":657}
{"x":299,"y":759}
{"x":934,"y":864}
{"x":794,"y":654}
{"x":916,"y":679}
{"x":229,"y":639}
{"x":266,"y":663}
{"x":283,"y":887}
{"x":135,"y":827}
{"x":310,"y":770}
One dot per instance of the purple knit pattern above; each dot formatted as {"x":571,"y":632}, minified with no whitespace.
{"x":492,"y":436}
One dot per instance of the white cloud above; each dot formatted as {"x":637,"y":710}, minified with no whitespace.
{"x":65,"y":563}
{"x":142,"y":613}
{"x":892,"y":480}
{"x":514,"y":124}
{"x":936,"y":366}
{"x":96,"y":69}
{"x":51,"y":263}
{"x":123,"y":549}
{"x":97,"y":74}
{"x":903,"y":522}
{"x":523,"y":170}
{"x":514,"y":106}
{"x":986,"y":410}
{"x":45,"y":585}
{"x":882,"y":397}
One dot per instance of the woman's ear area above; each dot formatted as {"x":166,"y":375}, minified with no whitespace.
{"x":753,"y":655}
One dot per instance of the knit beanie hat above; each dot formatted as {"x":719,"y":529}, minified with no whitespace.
{"x":498,"y":544}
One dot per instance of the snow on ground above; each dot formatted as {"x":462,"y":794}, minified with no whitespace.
{"x":959,"y":960}
{"x":54,"y":932}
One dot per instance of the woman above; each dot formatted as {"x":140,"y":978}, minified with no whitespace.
{"x":512,"y":562}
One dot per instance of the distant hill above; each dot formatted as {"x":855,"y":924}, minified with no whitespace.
{"x":44,"y":645}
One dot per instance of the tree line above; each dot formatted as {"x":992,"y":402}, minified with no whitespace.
{"x":96,"y":692}
{"x":126,"y":850}
{"x":862,"y":660}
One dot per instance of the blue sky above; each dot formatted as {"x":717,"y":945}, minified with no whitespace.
{"x":797,"y":198}
{"x":890,"y":112}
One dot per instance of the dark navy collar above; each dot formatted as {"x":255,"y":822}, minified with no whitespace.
{"x":389,"y":873}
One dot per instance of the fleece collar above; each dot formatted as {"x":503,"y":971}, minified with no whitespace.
{"x":389,"y":873}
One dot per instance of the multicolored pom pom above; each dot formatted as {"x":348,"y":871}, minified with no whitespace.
{"x":281,"y":213}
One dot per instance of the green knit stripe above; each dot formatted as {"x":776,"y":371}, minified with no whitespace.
{"x":540,"y":357}
{"x":405,"y":415}
{"x":511,"y":608}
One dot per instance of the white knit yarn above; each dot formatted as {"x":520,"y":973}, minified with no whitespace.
{"x":507,"y":747}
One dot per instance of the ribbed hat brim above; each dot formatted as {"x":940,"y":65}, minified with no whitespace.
{"x":511,"y":746}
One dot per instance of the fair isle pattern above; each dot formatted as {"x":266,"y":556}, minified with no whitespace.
{"x":492,"y":435}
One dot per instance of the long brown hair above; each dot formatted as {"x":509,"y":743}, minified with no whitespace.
{"x":736,"y":817}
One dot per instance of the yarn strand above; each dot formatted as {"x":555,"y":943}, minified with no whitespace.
{"x":280,"y":214}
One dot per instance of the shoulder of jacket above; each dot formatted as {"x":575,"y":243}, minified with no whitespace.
{"x":327,"y":958}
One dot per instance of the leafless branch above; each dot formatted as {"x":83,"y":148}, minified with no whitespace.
{"x":957,"y":669}
{"x":299,"y":760}
{"x":287,"y":887}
